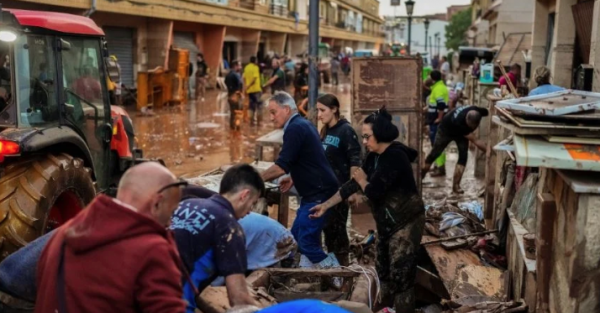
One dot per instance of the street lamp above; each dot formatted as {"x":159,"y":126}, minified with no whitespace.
{"x":435,"y":43}
{"x":410,"y":5}
{"x":426,"y":23}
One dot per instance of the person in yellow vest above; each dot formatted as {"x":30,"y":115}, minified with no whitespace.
{"x":436,"y":107}
{"x":252,"y":87}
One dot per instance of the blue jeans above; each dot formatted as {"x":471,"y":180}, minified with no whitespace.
{"x":307,"y":233}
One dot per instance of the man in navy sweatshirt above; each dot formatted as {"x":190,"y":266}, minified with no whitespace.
{"x":303,"y":157}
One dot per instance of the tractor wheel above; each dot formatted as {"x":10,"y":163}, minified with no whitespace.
{"x":38,"y":195}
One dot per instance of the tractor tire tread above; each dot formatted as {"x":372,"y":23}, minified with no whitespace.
{"x":30,"y":188}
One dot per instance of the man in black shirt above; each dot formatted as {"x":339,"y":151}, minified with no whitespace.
{"x":201,"y":76}
{"x":277,"y":81}
{"x":234,"y":84}
{"x":458,"y":126}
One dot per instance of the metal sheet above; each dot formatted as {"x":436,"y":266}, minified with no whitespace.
{"x":556,"y":103}
{"x":385,"y":81}
{"x":120,"y":43}
{"x":537,"y":152}
{"x":396,"y":84}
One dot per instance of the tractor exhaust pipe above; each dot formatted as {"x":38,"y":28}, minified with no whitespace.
{"x":92,"y":9}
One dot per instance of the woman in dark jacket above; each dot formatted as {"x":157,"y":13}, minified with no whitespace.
{"x":387,"y":180}
{"x":343,"y":152}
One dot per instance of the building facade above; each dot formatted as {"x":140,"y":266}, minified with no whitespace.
{"x":493,"y":20}
{"x":397,"y":32}
{"x":141,"y":33}
{"x":566,"y":35}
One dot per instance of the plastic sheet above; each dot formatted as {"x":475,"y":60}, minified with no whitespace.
{"x":474,"y":207}
{"x":451,"y":219}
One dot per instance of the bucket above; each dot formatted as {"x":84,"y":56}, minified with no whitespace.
{"x":487,"y":73}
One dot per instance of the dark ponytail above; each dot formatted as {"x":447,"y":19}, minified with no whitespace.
{"x":383,"y":128}
{"x":331,"y":102}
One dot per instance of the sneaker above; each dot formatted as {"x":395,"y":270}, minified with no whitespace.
{"x":305,"y":262}
{"x":330,"y":262}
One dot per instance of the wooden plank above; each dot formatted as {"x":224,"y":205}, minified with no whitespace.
{"x":546,"y":217}
{"x":283,"y":209}
{"x":490,"y":173}
{"x":447,"y":263}
{"x":283,"y":295}
{"x":308,"y":272}
{"x":519,"y":232}
{"x":566,"y":139}
{"x":481,"y":281}
{"x":536,"y":131}
{"x":431,"y":282}
{"x":258,"y":278}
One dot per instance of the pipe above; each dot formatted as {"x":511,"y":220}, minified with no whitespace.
{"x":92,"y":9}
{"x":313,"y":51}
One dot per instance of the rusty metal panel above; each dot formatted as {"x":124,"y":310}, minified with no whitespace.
{"x":386,"y":81}
{"x":395,"y":83}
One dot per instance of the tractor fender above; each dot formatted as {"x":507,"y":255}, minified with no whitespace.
{"x":63,"y":138}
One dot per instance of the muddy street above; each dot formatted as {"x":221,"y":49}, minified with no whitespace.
{"x":195,"y":138}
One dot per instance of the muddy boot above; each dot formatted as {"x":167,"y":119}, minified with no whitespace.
{"x":343,"y":258}
{"x":458,"y":173}
{"x":252,"y":113}
{"x":404,"y":302}
{"x":438,"y":172}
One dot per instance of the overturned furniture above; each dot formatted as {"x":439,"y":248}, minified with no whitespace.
{"x":212,"y":180}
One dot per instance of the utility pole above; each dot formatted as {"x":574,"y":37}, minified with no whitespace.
{"x":313,"y":51}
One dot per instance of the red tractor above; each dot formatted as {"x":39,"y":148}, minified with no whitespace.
{"x":61,"y":142}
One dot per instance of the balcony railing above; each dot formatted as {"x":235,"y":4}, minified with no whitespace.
{"x":279,"y":10}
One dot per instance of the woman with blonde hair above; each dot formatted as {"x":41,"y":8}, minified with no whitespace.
{"x":542,"y":77}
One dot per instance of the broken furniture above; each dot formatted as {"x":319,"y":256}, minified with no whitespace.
{"x":154,"y":88}
{"x":547,"y":183}
{"x":212,"y":180}
{"x":273,"y":139}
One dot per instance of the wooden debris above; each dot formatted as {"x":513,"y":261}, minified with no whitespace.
{"x":283,"y":295}
{"x":430,"y":242}
{"x":309,"y":272}
{"x":454,"y":244}
{"x":360,"y":293}
{"x":447,"y":263}
{"x":353,"y":307}
{"x":216,"y":300}
{"x":431,"y":282}
{"x":474,"y":280}
{"x":258,"y":278}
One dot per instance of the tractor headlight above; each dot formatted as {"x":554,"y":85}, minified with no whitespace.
{"x":7,"y":35}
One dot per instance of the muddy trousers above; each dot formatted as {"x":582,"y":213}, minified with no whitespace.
{"x":307,"y":233}
{"x":336,"y":234}
{"x":397,"y":265}
{"x":235,"y":107}
{"x":442,"y":141}
{"x":433,"y":129}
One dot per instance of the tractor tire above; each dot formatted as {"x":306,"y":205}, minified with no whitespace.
{"x":40,"y":194}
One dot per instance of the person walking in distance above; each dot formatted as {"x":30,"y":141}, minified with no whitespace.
{"x":116,"y":255}
{"x":343,"y":153}
{"x":235,"y":87}
{"x":335,"y":70}
{"x":458,"y":126}
{"x":253,"y":89}
{"x":202,"y":71}
{"x":277,"y":81}
{"x":302,"y":156}
{"x":436,"y":107}
{"x":387,"y":180}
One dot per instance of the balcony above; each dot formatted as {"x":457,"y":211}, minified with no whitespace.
{"x":279,"y":10}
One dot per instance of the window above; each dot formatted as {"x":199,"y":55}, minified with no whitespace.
{"x":36,"y":81}
{"x":83,"y":81}
{"x":5,"y":79}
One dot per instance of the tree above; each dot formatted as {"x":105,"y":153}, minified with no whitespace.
{"x":456,"y":29}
